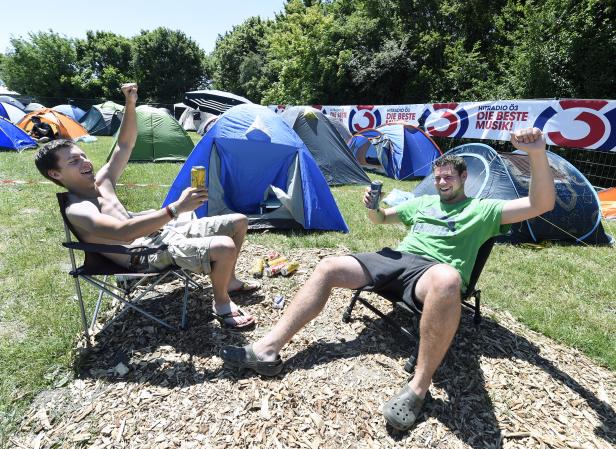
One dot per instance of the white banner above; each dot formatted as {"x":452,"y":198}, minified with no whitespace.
{"x":566,"y":123}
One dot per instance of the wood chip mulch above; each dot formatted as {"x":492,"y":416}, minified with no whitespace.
{"x":140,"y":386}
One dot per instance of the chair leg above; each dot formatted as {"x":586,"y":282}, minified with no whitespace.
{"x":183,"y":321}
{"x":82,"y":310}
{"x":409,"y":366}
{"x":477,"y":316}
{"x":346,"y":316}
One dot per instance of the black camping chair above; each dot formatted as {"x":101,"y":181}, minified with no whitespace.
{"x":471,"y":299}
{"x":96,"y":265}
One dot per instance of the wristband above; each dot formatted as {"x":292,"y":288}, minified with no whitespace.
{"x":171,"y":211}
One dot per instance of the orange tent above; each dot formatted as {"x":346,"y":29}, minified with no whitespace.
{"x":64,"y":126}
{"x":608,"y":203}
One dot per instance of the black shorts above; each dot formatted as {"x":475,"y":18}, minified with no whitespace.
{"x":394,"y":274}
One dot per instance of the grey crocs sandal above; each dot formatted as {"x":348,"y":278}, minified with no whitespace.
{"x":246,"y":358}
{"x":402,"y":410}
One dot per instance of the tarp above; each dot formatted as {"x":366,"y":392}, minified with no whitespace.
{"x":330,"y":152}
{"x":102,"y":122}
{"x":64,"y":127}
{"x":72,"y":111}
{"x":608,"y":203}
{"x":213,"y":101}
{"x":10,"y":112}
{"x":14,"y":138}
{"x":159,"y":137}
{"x":258,"y":166}
{"x":570,"y":123}
{"x":576,"y":217}
{"x":401,"y":151}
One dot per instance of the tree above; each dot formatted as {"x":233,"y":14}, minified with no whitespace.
{"x":43,"y":65}
{"x":104,"y":62}
{"x":239,"y":59}
{"x":166,"y":64}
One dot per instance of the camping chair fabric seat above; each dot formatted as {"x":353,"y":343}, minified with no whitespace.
{"x":471,"y":299}
{"x":96,"y":265}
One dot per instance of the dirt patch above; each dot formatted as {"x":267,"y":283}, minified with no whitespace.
{"x":501,"y":385}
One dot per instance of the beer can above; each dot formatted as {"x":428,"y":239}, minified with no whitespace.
{"x":277,"y":261}
{"x":273,"y":255}
{"x":375,"y":194}
{"x":257,"y":268}
{"x":273,"y":270}
{"x":290,"y":268}
{"x":197,"y":177}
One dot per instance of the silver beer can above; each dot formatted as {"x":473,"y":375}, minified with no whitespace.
{"x":375,"y":194}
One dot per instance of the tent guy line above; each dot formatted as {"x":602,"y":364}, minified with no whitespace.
{"x":129,"y":185}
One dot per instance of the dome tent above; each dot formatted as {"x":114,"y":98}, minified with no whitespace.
{"x":14,"y":138}
{"x":399,"y":149}
{"x":72,"y":111}
{"x":102,"y":122}
{"x":330,"y":152}
{"x":159,"y":137}
{"x":64,"y":127}
{"x":258,"y":166}
{"x":576,"y":217}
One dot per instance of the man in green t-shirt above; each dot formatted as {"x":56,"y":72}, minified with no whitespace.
{"x":429,"y":269}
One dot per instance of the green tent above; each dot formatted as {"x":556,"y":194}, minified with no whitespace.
{"x":110,"y":106}
{"x":159,"y":137}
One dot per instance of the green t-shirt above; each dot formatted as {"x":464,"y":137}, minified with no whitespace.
{"x":450,"y":233}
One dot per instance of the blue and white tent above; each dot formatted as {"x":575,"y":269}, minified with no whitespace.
{"x":14,"y":138}
{"x":72,"y":111}
{"x":400,"y":150}
{"x":576,"y":217}
{"x":10,"y":112}
{"x":258,"y":166}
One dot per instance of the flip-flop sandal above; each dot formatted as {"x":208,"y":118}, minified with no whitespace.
{"x":246,"y":287}
{"x":246,"y":358}
{"x":402,"y":410}
{"x":225,"y":317}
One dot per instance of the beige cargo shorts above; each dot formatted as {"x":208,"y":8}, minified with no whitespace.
{"x":188,"y":239}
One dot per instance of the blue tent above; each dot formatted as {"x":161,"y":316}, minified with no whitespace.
{"x":400,"y":150}
{"x":14,"y":138}
{"x":258,"y":166}
{"x":10,"y":112}
{"x":72,"y":111}
{"x":10,"y":100}
{"x":576,"y":216}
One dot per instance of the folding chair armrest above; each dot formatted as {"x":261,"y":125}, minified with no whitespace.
{"x":115,"y":249}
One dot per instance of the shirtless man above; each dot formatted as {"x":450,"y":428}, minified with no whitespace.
{"x":207,"y":245}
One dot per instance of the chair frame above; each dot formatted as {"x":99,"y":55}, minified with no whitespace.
{"x":471,"y":299}
{"x":96,"y":265}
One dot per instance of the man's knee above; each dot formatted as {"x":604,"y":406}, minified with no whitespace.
{"x":445,"y":282}
{"x":333,"y":271}
{"x":222,"y":246}
{"x":240,"y":223}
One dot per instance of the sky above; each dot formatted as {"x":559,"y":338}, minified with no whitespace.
{"x":202,"y":20}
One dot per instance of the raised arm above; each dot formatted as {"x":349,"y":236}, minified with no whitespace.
{"x":127,"y":137}
{"x":380,"y":216}
{"x":542,"y":194}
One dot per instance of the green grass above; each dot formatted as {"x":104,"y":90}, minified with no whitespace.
{"x":565,"y":292}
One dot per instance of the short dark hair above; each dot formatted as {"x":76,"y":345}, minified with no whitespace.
{"x":457,"y":162}
{"x":46,"y":158}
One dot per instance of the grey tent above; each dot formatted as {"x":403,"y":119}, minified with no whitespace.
{"x":178,"y":110}
{"x":101,"y":122}
{"x":31,"y":107}
{"x":330,"y":152}
{"x":191,"y":118}
{"x":341,"y":128}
